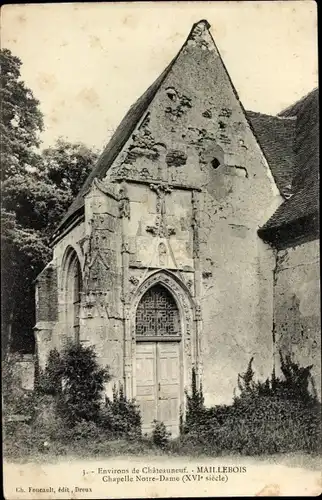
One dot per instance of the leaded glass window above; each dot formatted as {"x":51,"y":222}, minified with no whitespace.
{"x":157,"y":314}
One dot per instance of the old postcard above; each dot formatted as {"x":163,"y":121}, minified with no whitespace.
{"x":160,"y":250}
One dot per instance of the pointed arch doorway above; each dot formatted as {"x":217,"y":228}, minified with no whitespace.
{"x":158,"y":367}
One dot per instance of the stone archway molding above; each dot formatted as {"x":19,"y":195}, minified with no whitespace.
{"x":169,"y":280}
{"x":187,"y":312}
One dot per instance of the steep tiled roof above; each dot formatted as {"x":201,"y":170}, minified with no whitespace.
{"x":276,"y":136}
{"x":307,"y":134}
{"x":304,"y":204}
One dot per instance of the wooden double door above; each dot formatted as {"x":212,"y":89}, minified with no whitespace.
{"x":158,"y":383}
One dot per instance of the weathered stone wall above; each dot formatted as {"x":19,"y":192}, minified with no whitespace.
{"x":46,"y":289}
{"x":24,"y":371}
{"x":102,"y":311}
{"x":97,"y":242}
{"x":297,"y":316}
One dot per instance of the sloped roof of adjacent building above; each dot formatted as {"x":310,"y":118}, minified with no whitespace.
{"x":304,"y":203}
{"x":307,"y":134}
{"x":276,"y":136}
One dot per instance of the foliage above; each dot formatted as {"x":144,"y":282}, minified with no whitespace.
{"x":293,"y":385}
{"x":23,"y":255}
{"x":245,"y":381}
{"x":278,"y":415}
{"x":37,"y":188}
{"x":160,"y":434}
{"x":50,"y":381}
{"x":256,"y":423}
{"x":16,"y":400}
{"x":21,"y":119}
{"x":82,"y":380}
{"x":36,"y":203}
{"x":25,"y":442}
{"x":195,"y":409}
{"x":83,"y":430}
{"x":121,"y":416}
{"x":67,"y":165}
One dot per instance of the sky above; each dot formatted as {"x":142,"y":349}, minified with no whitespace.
{"x":87,"y":63}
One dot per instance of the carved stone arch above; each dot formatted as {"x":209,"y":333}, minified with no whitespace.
{"x":69,"y":254}
{"x":186,"y":307}
{"x":71,"y":285}
{"x":169,"y":280}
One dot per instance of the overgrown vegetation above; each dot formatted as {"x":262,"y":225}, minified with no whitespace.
{"x":278,"y":415}
{"x":70,"y":414}
{"x":67,"y":408}
{"x":120,"y":416}
{"x":81,"y":383}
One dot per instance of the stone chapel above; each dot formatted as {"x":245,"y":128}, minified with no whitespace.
{"x":193,"y":242}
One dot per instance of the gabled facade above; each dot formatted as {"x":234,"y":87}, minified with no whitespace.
{"x":158,"y":261}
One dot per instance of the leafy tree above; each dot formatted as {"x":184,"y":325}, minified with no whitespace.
{"x":37,"y":203}
{"x":37,"y":188}
{"x":67,"y":165}
{"x":21,"y":119}
{"x":23,"y":255}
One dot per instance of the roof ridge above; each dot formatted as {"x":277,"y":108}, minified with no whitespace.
{"x":273,"y":116}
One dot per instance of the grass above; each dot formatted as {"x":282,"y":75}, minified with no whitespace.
{"x":21,"y":449}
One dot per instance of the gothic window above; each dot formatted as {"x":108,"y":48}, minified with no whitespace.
{"x":74,"y":287}
{"x":157,"y":314}
{"x":77,"y":288}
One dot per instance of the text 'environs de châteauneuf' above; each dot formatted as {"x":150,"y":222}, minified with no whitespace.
{"x":200,"y":469}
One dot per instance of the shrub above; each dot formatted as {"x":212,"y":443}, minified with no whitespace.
{"x":82,"y":431}
{"x":195,"y":409}
{"x":160,"y":434}
{"x":257,"y":425}
{"x":77,"y":381}
{"x":121,"y":417}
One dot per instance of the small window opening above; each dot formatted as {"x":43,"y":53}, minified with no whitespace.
{"x":171,"y":93}
{"x":215,"y":163}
